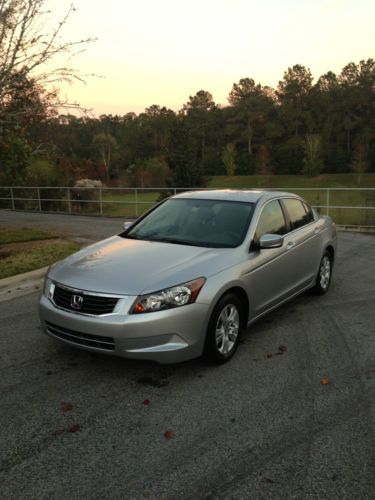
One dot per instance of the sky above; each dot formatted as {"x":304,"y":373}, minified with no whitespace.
{"x":162,"y":51}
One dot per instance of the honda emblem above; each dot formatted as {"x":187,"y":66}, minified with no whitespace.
{"x":76,"y":302}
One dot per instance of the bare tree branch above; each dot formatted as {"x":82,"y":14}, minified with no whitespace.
{"x":26,"y":46}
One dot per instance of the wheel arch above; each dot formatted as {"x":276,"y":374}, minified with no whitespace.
{"x":331,"y":251}
{"x":243,"y":297}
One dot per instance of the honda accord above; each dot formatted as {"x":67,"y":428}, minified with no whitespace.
{"x":185,"y":279}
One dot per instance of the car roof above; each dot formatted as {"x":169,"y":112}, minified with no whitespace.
{"x":243,"y":195}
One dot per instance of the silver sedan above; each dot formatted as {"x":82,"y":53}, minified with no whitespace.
{"x":188,"y":276}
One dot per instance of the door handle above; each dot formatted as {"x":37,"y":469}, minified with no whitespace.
{"x":290,"y":245}
{"x":316,"y":230}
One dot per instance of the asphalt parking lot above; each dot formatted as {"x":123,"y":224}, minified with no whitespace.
{"x":264,"y":425}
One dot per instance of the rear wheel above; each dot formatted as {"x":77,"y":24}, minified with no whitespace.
{"x":224,"y":329}
{"x":323,"y":279}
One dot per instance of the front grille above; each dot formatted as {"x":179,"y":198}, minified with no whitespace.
{"x":91,"y":304}
{"x":84,"y":339}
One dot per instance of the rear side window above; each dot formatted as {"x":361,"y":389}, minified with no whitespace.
{"x":297,"y":213}
{"x":309,"y":212}
{"x":271,"y":220}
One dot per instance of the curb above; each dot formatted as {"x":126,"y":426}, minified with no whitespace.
{"x":22,"y":284}
{"x":356,"y":229}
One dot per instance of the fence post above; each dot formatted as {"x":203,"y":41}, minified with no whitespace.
{"x":175,"y":191}
{"x":136,"y":201}
{"x":101,"y":201}
{"x":39,"y":202}
{"x":12,"y":196}
{"x":69,"y":200}
{"x":327,"y":202}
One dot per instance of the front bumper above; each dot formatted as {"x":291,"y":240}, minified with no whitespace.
{"x":168,"y":336}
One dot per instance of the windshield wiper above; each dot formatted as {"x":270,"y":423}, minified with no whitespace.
{"x":133,"y":237}
{"x":176,"y":241}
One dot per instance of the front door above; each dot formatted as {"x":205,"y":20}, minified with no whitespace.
{"x":268,"y":277}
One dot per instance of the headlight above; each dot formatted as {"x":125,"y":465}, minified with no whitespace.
{"x":48,"y":288}
{"x":175,"y":296}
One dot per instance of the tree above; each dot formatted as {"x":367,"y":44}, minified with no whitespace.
{"x":292,"y":92}
{"x":186,"y":167}
{"x":263,"y":161}
{"x":360,"y":159}
{"x":324,"y":113}
{"x":150,"y":172}
{"x":229,"y":158}
{"x":252,"y":104}
{"x":24,"y":106}
{"x":15,"y":152}
{"x":312,"y":160}
{"x":198,"y":111}
{"x":25,"y":48}
{"x":158,"y":121}
{"x":106,"y":145}
{"x":43,"y":173}
{"x":357,"y":84}
{"x":27,"y":96}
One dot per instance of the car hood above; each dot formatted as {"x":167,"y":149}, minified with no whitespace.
{"x":131,"y":267}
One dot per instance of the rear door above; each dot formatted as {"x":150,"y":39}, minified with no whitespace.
{"x":303,"y":241}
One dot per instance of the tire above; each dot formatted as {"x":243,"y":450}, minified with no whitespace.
{"x":224,"y":329}
{"x":323,"y":280}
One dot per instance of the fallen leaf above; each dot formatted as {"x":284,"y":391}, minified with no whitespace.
{"x":67,"y":407}
{"x":268,"y":355}
{"x":233,"y":420}
{"x":74,"y":428}
{"x":268,"y":480}
{"x":324,"y":381}
{"x":146,"y":402}
{"x":169,"y":434}
{"x":283,"y":348}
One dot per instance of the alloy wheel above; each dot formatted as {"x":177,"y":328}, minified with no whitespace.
{"x":325,"y":272}
{"x":227,"y":329}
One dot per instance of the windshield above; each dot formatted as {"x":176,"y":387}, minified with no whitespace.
{"x":205,"y":223}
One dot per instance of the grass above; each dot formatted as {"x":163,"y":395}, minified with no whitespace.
{"x":121,"y":203}
{"x":293,"y":181}
{"x":284,"y":182}
{"x":318,"y":197}
{"x":287,"y":182}
{"x":145,"y":201}
{"x":10,"y":235}
{"x":35,"y":256}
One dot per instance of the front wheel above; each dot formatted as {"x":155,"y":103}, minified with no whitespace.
{"x":224,"y":329}
{"x":323,"y":279}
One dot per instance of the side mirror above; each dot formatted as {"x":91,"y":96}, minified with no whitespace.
{"x":271,"y":241}
{"x":126,"y":225}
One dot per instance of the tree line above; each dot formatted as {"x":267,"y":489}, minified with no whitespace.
{"x":300,"y":127}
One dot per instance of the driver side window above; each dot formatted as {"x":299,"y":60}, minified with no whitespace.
{"x":271,"y":220}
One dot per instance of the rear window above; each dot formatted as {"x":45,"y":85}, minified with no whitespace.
{"x":297,"y":213}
